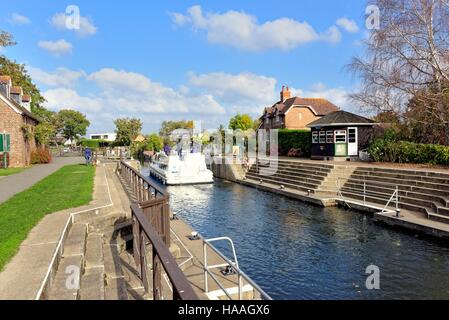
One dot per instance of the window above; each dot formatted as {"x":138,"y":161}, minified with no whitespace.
{"x":278,"y":118}
{"x":322,"y":136}
{"x":329,"y":137}
{"x":315,"y":137}
{"x":340,"y":136}
{"x":352,"y":135}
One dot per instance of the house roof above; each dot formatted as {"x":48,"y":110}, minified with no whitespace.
{"x":22,"y":109}
{"x":319,"y":106}
{"x":16,"y":90}
{"x":341,"y":118}
{"x":5,"y":79}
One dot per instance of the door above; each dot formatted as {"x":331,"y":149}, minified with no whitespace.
{"x":341,"y":143}
{"x":353,"y":143}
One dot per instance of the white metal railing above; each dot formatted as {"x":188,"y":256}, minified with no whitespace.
{"x":395,"y":197}
{"x":235,"y":266}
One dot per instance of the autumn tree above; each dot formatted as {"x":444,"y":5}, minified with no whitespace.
{"x":168,"y":127}
{"x":127,"y":130}
{"x":241,"y":122}
{"x":405,"y":68}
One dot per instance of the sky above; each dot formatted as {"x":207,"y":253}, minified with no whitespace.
{"x":194,"y":60}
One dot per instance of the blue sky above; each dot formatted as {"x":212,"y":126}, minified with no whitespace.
{"x":200,"y":60}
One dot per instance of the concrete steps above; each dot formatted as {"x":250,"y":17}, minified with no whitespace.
{"x":300,"y":176}
{"x":420,"y":191}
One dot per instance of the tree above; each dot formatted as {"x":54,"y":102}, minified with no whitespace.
{"x":407,"y":58}
{"x":241,"y":122}
{"x":20,"y":77}
{"x":6,"y":39}
{"x":154,"y":142}
{"x":168,"y":127}
{"x":73,"y":124}
{"x":127,"y":130}
{"x":44,"y":133}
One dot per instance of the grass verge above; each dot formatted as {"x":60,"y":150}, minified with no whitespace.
{"x":10,"y":171}
{"x":69,"y":187}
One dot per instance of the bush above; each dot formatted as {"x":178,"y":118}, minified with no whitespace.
{"x":300,"y":140}
{"x":387,"y":150}
{"x":40,"y":156}
{"x":94,"y":144}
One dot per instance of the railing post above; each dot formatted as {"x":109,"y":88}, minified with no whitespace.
{"x":364,"y":192}
{"x":143,"y":263}
{"x":206,"y":285}
{"x":157,"y":289}
{"x":240,"y":286}
{"x":397,"y":202}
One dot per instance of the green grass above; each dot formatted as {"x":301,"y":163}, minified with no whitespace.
{"x":10,"y":171}
{"x":69,"y":187}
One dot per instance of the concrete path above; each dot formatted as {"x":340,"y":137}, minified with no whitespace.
{"x":28,"y":272}
{"x":11,"y":185}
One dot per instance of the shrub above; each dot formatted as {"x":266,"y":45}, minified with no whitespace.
{"x":40,"y":156}
{"x":385,"y":150}
{"x":300,"y":140}
{"x":94,"y":144}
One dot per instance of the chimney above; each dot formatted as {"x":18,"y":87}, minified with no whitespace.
{"x":285,"y":93}
{"x":5,"y":85}
{"x":16,"y":94}
{"x":26,"y":102}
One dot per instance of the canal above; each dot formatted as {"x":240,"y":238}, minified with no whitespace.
{"x":297,"y":251}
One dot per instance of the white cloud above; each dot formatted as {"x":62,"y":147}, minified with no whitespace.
{"x":231,"y":88}
{"x":63,"y":98}
{"x":210,"y":97}
{"x":338,"y":96}
{"x":86,"y":27}
{"x":348,"y":25}
{"x":60,"y":77}
{"x":57,"y":48}
{"x":243,"y":31}
{"x":19,"y":19}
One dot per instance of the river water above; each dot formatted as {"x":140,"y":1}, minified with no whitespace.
{"x":297,"y":251}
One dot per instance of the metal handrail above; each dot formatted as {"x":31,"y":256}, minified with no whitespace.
{"x":143,"y":231}
{"x":395,"y":194}
{"x":240,"y":274}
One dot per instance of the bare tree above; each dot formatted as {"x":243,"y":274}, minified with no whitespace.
{"x":407,"y":58}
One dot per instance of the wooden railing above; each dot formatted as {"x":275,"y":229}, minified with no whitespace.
{"x":152,"y":199}
{"x":151,"y":226}
{"x":162,"y":259}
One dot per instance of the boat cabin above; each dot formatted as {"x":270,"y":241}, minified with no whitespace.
{"x":340,"y":135}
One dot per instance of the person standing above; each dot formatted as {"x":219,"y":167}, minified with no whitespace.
{"x":88,"y":155}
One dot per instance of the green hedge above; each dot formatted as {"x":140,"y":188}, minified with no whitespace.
{"x":294,"y":139}
{"x":94,"y":144}
{"x":382,"y":150}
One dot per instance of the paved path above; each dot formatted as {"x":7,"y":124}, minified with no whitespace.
{"x":19,"y":182}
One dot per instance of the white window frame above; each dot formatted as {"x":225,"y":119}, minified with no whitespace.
{"x":322,"y":137}
{"x":340,"y":133}
{"x":315,"y":137}
{"x":330,"y":136}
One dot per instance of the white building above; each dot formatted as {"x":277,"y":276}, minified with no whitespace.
{"x":103,"y":136}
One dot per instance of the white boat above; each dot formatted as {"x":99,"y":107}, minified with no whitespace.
{"x":190,"y":168}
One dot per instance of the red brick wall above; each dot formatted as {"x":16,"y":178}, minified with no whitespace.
{"x":11,"y":123}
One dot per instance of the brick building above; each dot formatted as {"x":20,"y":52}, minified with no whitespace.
{"x":295,"y":112}
{"x":15,"y":118}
